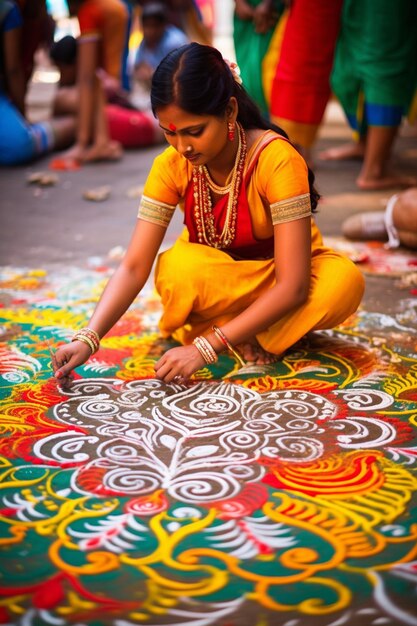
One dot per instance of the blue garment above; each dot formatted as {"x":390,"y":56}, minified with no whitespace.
{"x":21,"y":142}
{"x":125,"y":76}
{"x":172,"y":38}
{"x":12,"y":16}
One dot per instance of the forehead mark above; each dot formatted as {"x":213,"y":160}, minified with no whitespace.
{"x":172,"y":126}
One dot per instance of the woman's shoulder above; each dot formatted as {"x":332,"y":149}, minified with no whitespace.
{"x":275,"y":149}
{"x":279,"y":169}
{"x":169,"y":176}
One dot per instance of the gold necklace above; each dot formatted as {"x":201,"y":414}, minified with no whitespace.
{"x":221,"y":191}
{"x":203,"y":210}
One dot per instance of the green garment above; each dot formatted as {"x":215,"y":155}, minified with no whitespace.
{"x":375,"y":65}
{"x":250,"y":49}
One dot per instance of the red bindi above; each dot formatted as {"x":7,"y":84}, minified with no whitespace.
{"x":172,"y":127}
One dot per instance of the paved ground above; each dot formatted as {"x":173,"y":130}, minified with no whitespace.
{"x":55,"y":225}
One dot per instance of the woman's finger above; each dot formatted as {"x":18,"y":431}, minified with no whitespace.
{"x":67,"y":360}
{"x":163,"y":371}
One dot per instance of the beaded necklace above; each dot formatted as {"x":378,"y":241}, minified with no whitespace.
{"x":203,"y":209}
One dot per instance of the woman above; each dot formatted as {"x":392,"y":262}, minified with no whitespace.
{"x":250,"y":269}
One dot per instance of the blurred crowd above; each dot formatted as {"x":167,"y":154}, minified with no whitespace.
{"x":293,"y":55}
{"x":94,"y":115}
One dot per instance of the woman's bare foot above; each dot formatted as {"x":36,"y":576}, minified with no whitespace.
{"x":252,"y":353}
{"x":344,"y":152}
{"x":111,"y":151}
{"x":388,"y":181}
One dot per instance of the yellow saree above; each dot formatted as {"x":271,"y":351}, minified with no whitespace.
{"x":201,"y":286}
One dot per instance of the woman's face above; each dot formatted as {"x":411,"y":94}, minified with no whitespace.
{"x":199,"y":138}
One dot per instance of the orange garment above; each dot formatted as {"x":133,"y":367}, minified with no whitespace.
{"x":200,"y":285}
{"x":276,"y":190}
{"x":106,"y":21}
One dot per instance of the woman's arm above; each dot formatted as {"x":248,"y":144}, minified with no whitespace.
{"x":292,"y":270}
{"x":121,"y":290}
{"x":15,"y":80}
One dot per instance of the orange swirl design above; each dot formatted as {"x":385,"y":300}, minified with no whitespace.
{"x":338,"y":476}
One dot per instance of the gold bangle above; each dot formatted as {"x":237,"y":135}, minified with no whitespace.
{"x":86,"y":340}
{"x":210,"y":350}
{"x":205,"y":349}
{"x":92,"y":336}
{"x":201,"y":351}
{"x":222,"y":337}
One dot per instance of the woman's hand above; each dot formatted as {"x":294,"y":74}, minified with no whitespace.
{"x":179,"y":364}
{"x":67,"y":358}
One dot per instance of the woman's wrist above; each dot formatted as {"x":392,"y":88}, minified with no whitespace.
{"x":226,"y":345}
{"x":88,"y":336}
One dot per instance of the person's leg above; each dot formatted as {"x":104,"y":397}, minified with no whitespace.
{"x":98,"y":146}
{"x":190,"y":309}
{"x":21,"y":142}
{"x":404,"y":215}
{"x":63,"y":129}
{"x":65,"y":101}
{"x":354,"y":150}
{"x":103,"y":148}
{"x":399,"y":221}
{"x":375,"y":173}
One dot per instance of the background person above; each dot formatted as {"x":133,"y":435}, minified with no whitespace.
{"x":374,"y":77}
{"x":128,"y":126}
{"x":103,"y":28}
{"x":21,"y":141}
{"x":301,"y":84}
{"x":397,"y":225}
{"x":159,"y":38}
{"x":254,"y":24}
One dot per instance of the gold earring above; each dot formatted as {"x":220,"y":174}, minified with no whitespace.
{"x":231,"y":131}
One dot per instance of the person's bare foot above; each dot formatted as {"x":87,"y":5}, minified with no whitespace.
{"x":253,"y":353}
{"x":343,"y":153}
{"x":388,"y":181}
{"x":111,"y":151}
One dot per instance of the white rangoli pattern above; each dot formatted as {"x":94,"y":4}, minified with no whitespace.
{"x":203,"y":442}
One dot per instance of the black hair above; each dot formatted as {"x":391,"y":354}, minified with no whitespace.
{"x":155,"y":11}
{"x":197,"y":79}
{"x":64,"y":51}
